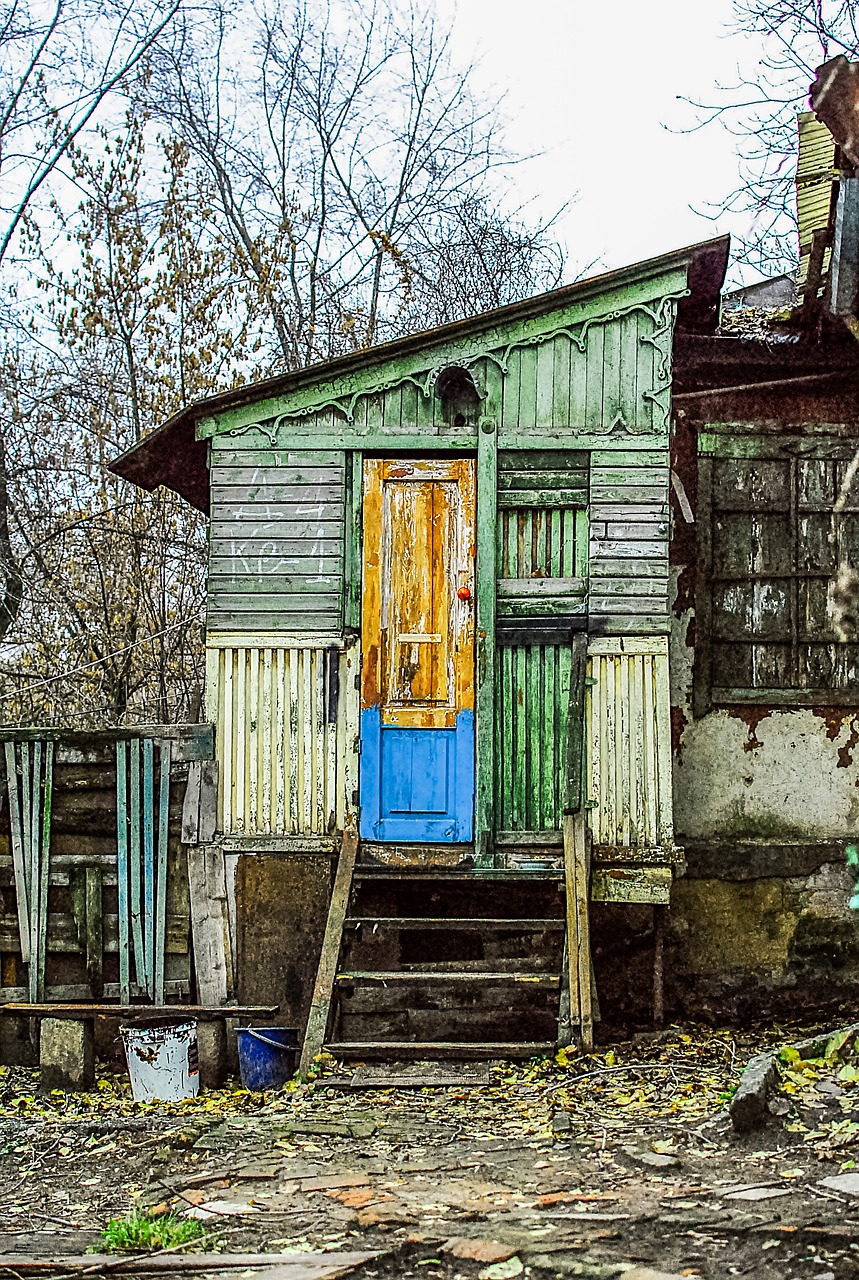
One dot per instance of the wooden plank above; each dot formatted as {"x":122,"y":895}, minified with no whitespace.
{"x":148,"y":913}
{"x":46,"y":807}
{"x":134,"y":862}
{"x":125,"y":1009}
{"x":22,"y":893}
{"x":524,"y":588}
{"x":472,"y":977}
{"x":514,"y":499}
{"x":208,"y":819}
{"x":160,"y":923}
{"x":317,"y":1020}
{"x":34,"y":802}
{"x":122,"y":869}
{"x":190,"y":742}
{"x":209,"y":923}
{"x":191,"y":805}
{"x":492,"y":924}
{"x":487,"y":491}
{"x":94,"y":938}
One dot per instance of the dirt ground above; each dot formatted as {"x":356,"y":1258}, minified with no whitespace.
{"x":578,"y":1167}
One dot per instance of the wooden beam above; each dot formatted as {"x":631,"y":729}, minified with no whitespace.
{"x":317,"y":1019}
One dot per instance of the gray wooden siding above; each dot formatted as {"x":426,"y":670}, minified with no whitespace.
{"x":629,"y":534}
{"x":276,"y":540}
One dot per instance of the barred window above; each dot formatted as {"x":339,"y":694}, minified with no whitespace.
{"x":769,"y":543}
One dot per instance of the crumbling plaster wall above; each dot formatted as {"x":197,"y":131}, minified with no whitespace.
{"x":764,"y":800}
{"x":751,"y":772}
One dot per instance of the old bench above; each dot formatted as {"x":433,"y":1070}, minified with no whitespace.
{"x":67,"y":1039}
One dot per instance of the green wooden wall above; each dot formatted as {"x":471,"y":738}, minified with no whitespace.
{"x":276,"y":539}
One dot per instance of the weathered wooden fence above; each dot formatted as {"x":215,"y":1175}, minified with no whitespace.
{"x":94,"y":892}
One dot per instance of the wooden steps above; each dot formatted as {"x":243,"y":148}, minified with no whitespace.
{"x":444,"y":962}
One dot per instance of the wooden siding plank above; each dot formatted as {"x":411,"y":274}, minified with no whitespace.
{"x":165,"y":760}
{"x":134,"y":867}
{"x":22,"y":892}
{"x":122,"y":871}
{"x":148,"y":915}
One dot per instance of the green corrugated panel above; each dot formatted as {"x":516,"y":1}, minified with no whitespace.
{"x":532,"y":697}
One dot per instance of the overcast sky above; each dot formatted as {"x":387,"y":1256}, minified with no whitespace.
{"x":596,"y":86}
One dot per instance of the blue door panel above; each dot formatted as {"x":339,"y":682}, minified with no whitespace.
{"x":417,"y":784}
{"x":416,"y":771}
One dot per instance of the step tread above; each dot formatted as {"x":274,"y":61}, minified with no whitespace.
{"x":448,"y":975}
{"x":430,"y":1049}
{"x":499,"y":923}
{"x":453,"y":874}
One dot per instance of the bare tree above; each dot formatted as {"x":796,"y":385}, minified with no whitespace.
{"x":343,"y":171}
{"x":58,"y":64}
{"x":760,"y":110}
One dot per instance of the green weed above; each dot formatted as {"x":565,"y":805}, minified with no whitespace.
{"x":139,"y":1232}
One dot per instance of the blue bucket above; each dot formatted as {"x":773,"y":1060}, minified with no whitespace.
{"x":267,"y":1056}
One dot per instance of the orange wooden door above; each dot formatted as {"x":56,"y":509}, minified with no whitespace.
{"x":417,"y":762}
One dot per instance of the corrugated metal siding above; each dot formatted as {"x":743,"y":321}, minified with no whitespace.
{"x":815,"y":170}
{"x":629,"y":533}
{"x":532,"y":703}
{"x":286,"y":722}
{"x":276,"y":539}
{"x":628,"y":720}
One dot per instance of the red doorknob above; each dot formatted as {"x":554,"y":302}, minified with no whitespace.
{"x":464,"y":593}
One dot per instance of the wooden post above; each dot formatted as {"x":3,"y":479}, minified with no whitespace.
{"x":576,"y":859}
{"x":487,"y":502}
{"x":317,"y":1019}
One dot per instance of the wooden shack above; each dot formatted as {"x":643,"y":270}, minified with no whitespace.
{"x":437,"y":659}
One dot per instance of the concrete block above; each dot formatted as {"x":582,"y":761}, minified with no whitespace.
{"x":749,"y":1104}
{"x":67,"y":1054}
{"x":212,"y":1050}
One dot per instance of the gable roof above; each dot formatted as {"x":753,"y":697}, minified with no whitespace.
{"x":172,"y":456}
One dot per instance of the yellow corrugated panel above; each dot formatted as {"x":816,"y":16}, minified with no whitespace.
{"x":815,"y":171}
{"x":628,"y":725}
{"x":285,"y":728}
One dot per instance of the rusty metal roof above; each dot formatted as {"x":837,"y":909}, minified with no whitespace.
{"x":172,"y":456}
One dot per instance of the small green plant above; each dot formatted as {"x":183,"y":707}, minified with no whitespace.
{"x":141,"y":1231}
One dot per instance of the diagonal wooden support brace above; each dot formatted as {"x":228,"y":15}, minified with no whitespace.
{"x":317,"y":1019}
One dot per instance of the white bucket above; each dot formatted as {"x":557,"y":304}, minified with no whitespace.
{"x":162,"y":1062}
